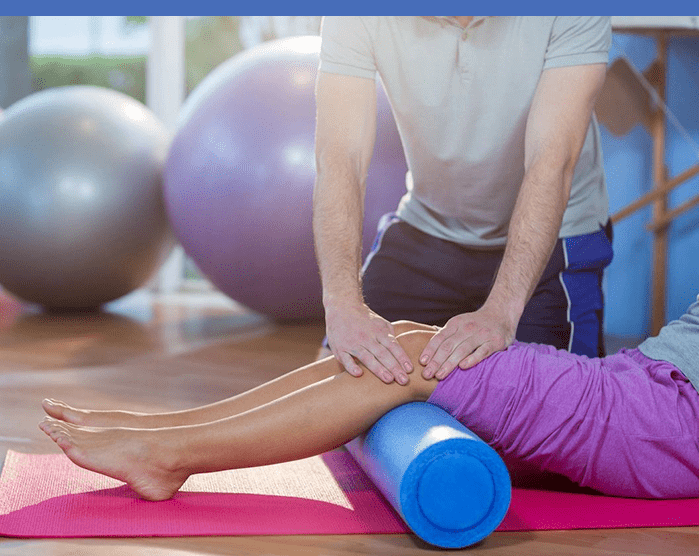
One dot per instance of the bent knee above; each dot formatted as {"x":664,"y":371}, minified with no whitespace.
{"x":413,"y":343}
{"x":403,"y":326}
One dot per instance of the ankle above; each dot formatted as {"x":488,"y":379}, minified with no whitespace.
{"x":166,"y":451}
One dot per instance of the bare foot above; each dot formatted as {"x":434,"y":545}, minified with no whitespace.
{"x":96,"y":418}
{"x":140,"y":458}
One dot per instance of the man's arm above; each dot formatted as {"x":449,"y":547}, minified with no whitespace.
{"x":345,"y":134}
{"x":556,"y":129}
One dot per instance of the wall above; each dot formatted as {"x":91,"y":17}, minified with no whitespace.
{"x":629,"y":175}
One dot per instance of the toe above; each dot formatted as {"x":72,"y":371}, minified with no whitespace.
{"x":64,"y":442}
{"x":53,"y":427}
{"x":53,"y":408}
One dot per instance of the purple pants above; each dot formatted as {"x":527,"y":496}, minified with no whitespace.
{"x":624,"y":425}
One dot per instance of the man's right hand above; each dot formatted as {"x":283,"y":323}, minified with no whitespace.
{"x":357,"y":334}
{"x":345,"y":134}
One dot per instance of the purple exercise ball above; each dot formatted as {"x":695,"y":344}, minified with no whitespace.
{"x":239,"y":178}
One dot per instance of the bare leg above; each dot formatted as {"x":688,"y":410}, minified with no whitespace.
{"x":323,"y":352}
{"x":311,"y":420}
{"x":263,"y":394}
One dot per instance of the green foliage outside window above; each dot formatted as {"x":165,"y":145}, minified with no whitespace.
{"x":209,"y":42}
{"x":125,"y":74}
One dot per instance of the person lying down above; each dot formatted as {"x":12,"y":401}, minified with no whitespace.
{"x":625,"y":425}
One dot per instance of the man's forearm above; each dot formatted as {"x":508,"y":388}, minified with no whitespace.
{"x":533,"y":231}
{"x":337,"y":228}
{"x":355,"y":333}
{"x":345,"y":132}
{"x":556,"y":127}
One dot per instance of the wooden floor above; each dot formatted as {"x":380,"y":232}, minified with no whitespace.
{"x":171,"y":353}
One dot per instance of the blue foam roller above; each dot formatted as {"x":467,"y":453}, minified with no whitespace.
{"x":449,"y":486}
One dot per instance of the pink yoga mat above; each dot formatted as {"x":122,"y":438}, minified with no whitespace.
{"x":48,"y":496}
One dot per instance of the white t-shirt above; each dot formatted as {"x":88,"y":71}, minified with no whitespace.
{"x":461,"y":99}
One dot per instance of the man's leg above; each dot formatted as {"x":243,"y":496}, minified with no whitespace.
{"x":412,"y":275}
{"x":417,"y":277}
{"x":566,"y":308}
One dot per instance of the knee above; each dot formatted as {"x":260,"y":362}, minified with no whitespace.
{"x":403,"y":326}
{"x":413,"y":342}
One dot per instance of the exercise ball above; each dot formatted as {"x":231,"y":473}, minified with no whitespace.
{"x":82,"y":217}
{"x":240,"y":172}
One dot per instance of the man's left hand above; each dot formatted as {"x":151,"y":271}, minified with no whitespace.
{"x":465,"y":341}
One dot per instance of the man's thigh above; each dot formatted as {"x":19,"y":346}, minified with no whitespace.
{"x":566,"y":309}
{"x":412,"y":275}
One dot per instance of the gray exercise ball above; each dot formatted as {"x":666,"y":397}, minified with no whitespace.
{"x":82,"y":218}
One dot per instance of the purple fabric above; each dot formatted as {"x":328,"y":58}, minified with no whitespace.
{"x":625,"y":425}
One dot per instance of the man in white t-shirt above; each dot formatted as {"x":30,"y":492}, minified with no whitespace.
{"x":504,"y":229}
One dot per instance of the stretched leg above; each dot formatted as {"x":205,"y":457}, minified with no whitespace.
{"x":263,"y":394}
{"x":318,"y":417}
{"x":260,"y":395}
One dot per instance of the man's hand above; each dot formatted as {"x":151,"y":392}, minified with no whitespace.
{"x":466,"y":340}
{"x":359,"y":333}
